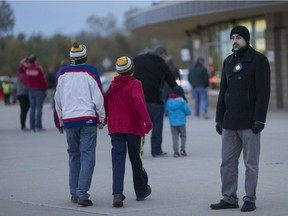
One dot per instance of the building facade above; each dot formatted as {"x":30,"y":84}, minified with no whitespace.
{"x":208,"y":24}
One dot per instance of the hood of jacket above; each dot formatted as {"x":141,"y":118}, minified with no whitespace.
{"x":119,"y":82}
{"x":175,"y":102}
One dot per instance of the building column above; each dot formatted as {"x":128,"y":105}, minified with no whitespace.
{"x":276,"y":42}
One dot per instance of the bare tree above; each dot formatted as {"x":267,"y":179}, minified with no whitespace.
{"x":103,"y":26}
{"x":7,"y":19}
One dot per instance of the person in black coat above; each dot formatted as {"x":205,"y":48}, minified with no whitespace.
{"x":199,"y":80}
{"x":240,"y":117}
{"x":152,"y":71}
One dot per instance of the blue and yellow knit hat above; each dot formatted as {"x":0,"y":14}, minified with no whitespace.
{"x":124,"y":66}
{"x":78,"y":53}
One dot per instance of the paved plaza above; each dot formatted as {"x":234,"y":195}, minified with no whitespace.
{"x":34,"y":172}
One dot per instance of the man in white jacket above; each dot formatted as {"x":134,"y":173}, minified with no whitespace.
{"x":79,"y":108}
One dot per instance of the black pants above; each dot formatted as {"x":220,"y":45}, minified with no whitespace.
{"x":24,"y":107}
{"x":121,"y":142}
{"x":6,"y":99}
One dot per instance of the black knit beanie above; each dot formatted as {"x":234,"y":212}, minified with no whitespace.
{"x":178,"y":90}
{"x":242,"y":31}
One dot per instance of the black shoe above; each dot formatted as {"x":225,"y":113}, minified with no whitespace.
{"x":148,"y":192}
{"x":74,"y":199}
{"x":205,"y":116}
{"x":85,"y":202}
{"x":176,"y":155}
{"x":163,"y":154}
{"x":223,"y":205}
{"x":248,"y":206}
{"x":183,"y":153}
{"x":118,"y":200}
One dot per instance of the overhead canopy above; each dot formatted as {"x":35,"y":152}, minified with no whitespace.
{"x":176,"y":19}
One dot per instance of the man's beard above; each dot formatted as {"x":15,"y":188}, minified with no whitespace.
{"x":236,"y":47}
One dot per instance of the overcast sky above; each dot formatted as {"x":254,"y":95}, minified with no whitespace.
{"x":66,"y":17}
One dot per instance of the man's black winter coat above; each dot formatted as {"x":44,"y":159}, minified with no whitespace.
{"x":244,"y":89}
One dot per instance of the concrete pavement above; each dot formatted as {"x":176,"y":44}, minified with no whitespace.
{"x":34,"y":172}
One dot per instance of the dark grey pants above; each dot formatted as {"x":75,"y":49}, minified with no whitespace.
{"x":233,"y":142}
{"x":179,"y":131}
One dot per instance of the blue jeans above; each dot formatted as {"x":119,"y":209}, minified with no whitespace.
{"x":200,"y":100}
{"x":120,"y":143}
{"x":81,"y":149}
{"x":36,"y":99}
{"x":156,"y":113}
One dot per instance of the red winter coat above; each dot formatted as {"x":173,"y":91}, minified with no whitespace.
{"x":126,"y":107}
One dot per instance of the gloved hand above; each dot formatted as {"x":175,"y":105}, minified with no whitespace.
{"x":258,"y":127}
{"x":219,"y":128}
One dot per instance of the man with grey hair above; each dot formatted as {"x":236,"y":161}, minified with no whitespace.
{"x":152,"y":71}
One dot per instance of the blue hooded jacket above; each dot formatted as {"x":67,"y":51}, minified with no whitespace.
{"x":177,"y":109}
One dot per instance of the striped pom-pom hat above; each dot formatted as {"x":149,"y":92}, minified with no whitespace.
{"x":124,"y":66}
{"x":78,"y":53}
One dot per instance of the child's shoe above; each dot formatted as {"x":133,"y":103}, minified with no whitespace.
{"x":148,"y":192}
{"x":118,"y":200}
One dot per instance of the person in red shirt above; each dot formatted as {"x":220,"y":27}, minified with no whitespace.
{"x":128,"y":122}
{"x":37,"y":86}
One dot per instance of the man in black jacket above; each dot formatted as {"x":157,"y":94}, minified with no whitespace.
{"x":152,"y":71}
{"x":240,"y":117}
{"x":199,"y":80}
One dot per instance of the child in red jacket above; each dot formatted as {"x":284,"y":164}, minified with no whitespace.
{"x":128,"y":122}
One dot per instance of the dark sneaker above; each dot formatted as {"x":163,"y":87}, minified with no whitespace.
{"x":85,"y":203}
{"x":148,"y":192}
{"x":74,"y":199}
{"x":118,"y":200}
{"x":176,"y":155}
{"x":205,"y":116}
{"x":163,"y":154}
{"x":248,"y":206}
{"x":223,"y":205}
{"x":183,"y":153}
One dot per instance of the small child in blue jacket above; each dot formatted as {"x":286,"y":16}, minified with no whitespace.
{"x":177,"y":109}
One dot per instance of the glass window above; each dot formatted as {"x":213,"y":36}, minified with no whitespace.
{"x":260,"y":27}
{"x":259,"y":35}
